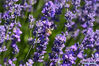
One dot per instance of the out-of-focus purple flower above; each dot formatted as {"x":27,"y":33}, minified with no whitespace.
{"x":76,"y":3}
{"x":80,"y":55}
{"x":87,"y":14}
{"x":6,"y":15}
{"x":17,"y":33}
{"x":68,"y":59}
{"x":12,"y":10}
{"x":31,"y":41}
{"x":96,"y":37}
{"x":2,"y":33}
{"x":32,"y":2}
{"x":31,"y":20}
{"x":14,"y":59}
{"x":30,"y":62}
{"x":15,"y":0}
{"x":69,"y":24}
{"x":15,"y":47}
{"x":74,"y":47}
{"x":0,"y":17}
{"x":3,"y":49}
{"x":27,"y":7}
{"x":76,"y":33}
{"x":67,"y":5}
{"x":11,"y":62}
{"x":69,"y":15}
{"x":17,"y":9}
{"x":59,"y":4}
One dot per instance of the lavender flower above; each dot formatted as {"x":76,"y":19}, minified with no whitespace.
{"x":42,"y":34}
{"x":96,"y":37}
{"x":88,"y":40}
{"x":87,"y":14}
{"x":2,"y":33}
{"x":2,"y":49}
{"x":76,"y":3}
{"x":59,"y":43}
{"x":32,"y":2}
{"x":17,"y":33}
{"x":70,"y":55}
{"x":69,"y":15}
{"x":49,"y":9}
{"x":30,"y":62}
{"x":10,"y":61}
{"x":31,"y":19}
{"x":57,"y":49}
{"x":27,"y":7}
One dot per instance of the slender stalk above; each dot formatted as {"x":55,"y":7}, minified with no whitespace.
{"x":28,"y":52}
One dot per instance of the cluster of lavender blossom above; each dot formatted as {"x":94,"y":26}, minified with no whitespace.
{"x":80,"y":17}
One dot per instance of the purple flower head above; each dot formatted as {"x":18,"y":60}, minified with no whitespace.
{"x":36,"y":57}
{"x":14,"y":59}
{"x":74,"y":47}
{"x":27,"y":7}
{"x":76,"y":33}
{"x":71,"y":54}
{"x":59,"y":5}
{"x":15,"y":0}
{"x":17,"y":33}
{"x":31,"y":20}
{"x":6,"y":15}
{"x":89,"y":40}
{"x":57,"y":49}
{"x":3,"y":49}
{"x":2,"y":33}
{"x":53,"y":57}
{"x":96,"y":10}
{"x":11,"y":62}
{"x":15,"y":48}
{"x":32,"y":2}
{"x":68,"y":59}
{"x":80,"y":55}
{"x":59,"y":43}
{"x":30,"y":62}
{"x":32,"y":41}
{"x":44,"y":27}
{"x":69,"y":15}
{"x":67,"y":5}
{"x":76,"y":3}
{"x":60,"y":37}
{"x":17,"y":9}
{"x":69,"y":25}
{"x":42,"y":31}
{"x":49,"y":9}
{"x":96,"y":37}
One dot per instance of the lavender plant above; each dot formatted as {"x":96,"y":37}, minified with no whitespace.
{"x":49,"y":33}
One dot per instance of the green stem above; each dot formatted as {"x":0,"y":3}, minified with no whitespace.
{"x":29,"y":51}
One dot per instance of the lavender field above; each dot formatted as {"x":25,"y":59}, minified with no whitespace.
{"x":49,"y":32}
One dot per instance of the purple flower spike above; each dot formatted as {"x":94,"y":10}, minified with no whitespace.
{"x":57,"y":49}
{"x":17,"y":33}
{"x":2,"y":33}
{"x":49,"y":9}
